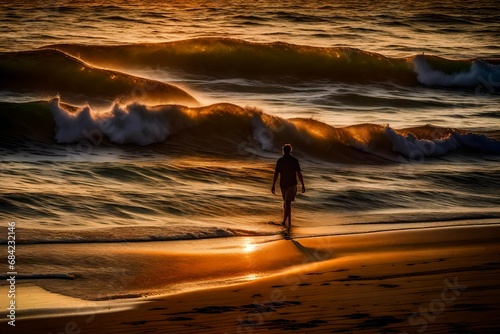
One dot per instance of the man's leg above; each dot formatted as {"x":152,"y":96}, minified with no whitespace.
{"x":284,"y":214}
{"x":287,"y":205}
{"x":288,"y":213}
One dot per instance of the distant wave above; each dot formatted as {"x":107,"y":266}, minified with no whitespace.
{"x":230,"y":129}
{"x":53,"y":72}
{"x":224,"y":57}
{"x":435,"y":71}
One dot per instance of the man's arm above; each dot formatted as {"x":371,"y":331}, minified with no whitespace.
{"x":301,"y":179}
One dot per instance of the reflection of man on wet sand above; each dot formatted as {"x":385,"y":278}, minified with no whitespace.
{"x":289,"y":169}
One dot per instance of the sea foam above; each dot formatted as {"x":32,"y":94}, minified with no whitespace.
{"x":132,"y":124}
{"x":478,"y":73}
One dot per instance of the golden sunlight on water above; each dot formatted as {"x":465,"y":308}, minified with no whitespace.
{"x":251,"y":277}
{"x":248,"y":247}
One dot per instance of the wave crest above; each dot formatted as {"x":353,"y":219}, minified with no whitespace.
{"x":51,"y":72}
{"x":226,"y":57}
{"x":434,"y":71}
{"x":230,"y":129}
{"x":132,"y":124}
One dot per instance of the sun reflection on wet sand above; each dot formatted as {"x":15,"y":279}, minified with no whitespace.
{"x":251,"y":277}
{"x":248,"y":247}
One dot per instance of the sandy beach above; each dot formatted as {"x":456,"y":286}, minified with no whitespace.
{"x":442,"y":280}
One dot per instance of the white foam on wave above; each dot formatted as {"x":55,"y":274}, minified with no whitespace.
{"x":262,"y":133}
{"x":135,"y":124}
{"x":132,"y":124}
{"x":411,"y":147}
{"x":70,"y":127}
{"x":479,"y":73}
{"x":142,"y":125}
{"x":139,"y":124}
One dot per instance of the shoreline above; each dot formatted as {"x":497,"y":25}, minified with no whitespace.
{"x":355,"y":283}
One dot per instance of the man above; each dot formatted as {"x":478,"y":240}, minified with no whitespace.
{"x":289,"y":169}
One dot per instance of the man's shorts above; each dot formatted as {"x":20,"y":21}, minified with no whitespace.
{"x":289,"y":194}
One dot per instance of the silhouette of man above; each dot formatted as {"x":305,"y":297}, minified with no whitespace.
{"x":289,"y":169}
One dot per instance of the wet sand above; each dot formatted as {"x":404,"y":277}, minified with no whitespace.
{"x":442,"y":280}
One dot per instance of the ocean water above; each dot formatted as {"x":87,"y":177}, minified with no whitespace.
{"x":121,"y":121}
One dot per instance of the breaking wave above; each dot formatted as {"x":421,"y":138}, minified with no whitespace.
{"x":230,"y":129}
{"x":225,"y":57}
{"x":435,"y":71}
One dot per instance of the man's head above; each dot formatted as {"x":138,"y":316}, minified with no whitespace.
{"x":287,"y":149}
